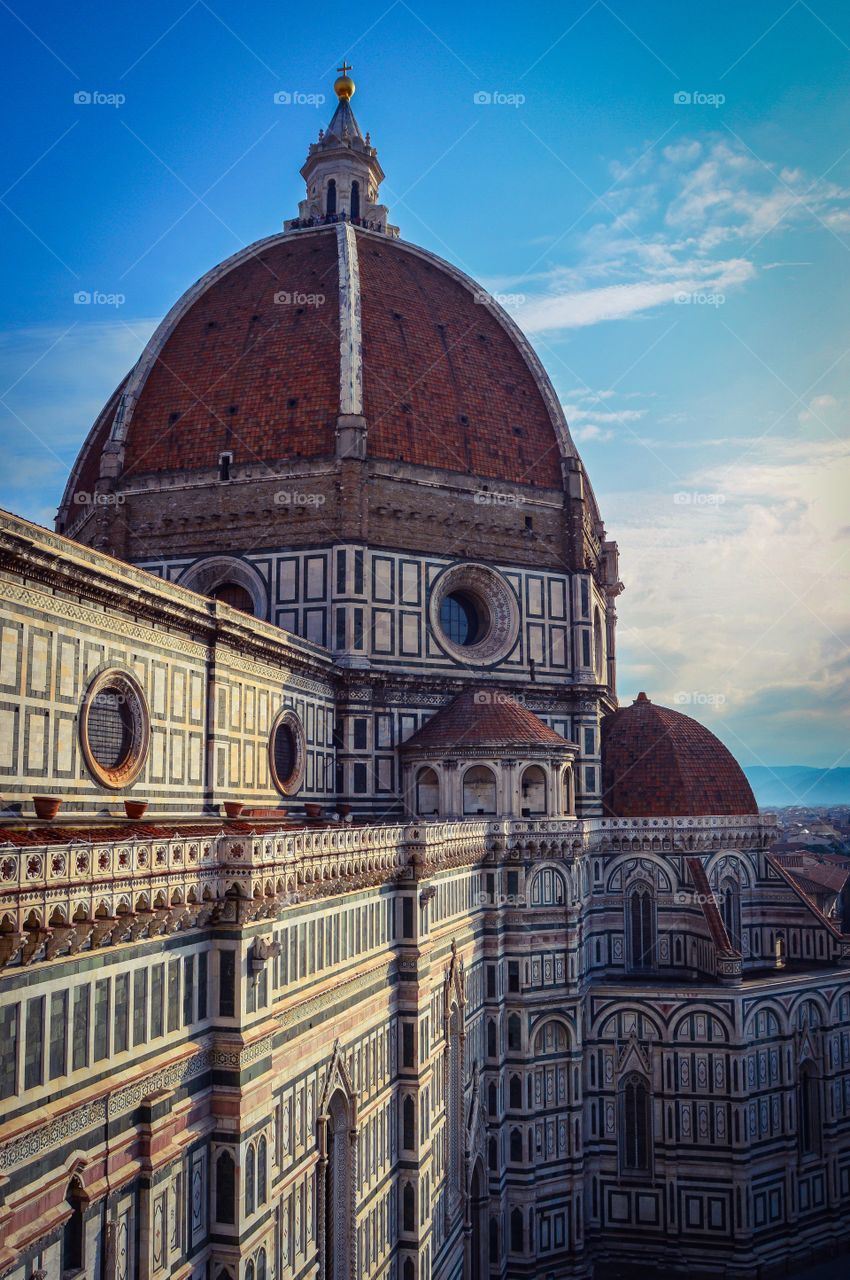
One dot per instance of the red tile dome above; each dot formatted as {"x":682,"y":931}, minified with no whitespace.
{"x":658,"y":763}
{"x":252,"y":361}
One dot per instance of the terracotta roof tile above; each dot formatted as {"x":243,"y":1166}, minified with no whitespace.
{"x":485,"y":718}
{"x":658,"y":763}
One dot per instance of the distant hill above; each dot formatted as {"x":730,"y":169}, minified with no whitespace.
{"x":795,"y":784}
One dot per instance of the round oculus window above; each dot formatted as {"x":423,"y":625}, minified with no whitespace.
{"x":115,"y":729}
{"x":287,"y":752}
{"x":474,"y":614}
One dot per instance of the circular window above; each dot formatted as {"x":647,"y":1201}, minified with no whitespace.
{"x":474,"y":614}
{"x":287,"y":752}
{"x":115,"y":729}
{"x":463,"y":618}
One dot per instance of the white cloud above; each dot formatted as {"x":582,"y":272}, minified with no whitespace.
{"x":746,"y":598}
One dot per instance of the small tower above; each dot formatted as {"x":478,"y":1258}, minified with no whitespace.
{"x":342,"y":172}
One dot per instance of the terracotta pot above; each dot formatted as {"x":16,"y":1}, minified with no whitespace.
{"x":313,"y":810}
{"x":46,"y":806}
{"x":233,"y":808}
{"x":135,"y":808}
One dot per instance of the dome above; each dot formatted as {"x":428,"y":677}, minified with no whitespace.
{"x":658,"y":763}
{"x":262,"y":356}
{"x":479,"y":718}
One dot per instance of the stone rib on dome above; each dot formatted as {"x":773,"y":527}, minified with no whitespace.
{"x":485,"y":718}
{"x":658,"y":763}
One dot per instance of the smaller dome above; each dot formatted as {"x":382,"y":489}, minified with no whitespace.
{"x":480,"y":718}
{"x":658,"y":763}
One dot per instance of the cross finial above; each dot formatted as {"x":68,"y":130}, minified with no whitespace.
{"x":345,"y":68}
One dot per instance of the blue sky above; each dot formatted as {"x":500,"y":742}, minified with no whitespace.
{"x":681,"y":265}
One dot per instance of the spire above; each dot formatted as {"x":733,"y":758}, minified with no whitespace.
{"x":342,"y":171}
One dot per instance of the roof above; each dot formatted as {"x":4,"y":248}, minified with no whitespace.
{"x":254,"y":359}
{"x":485,"y":718}
{"x":344,"y":123}
{"x":658,"y":763}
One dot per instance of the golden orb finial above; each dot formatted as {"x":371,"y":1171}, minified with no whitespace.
{"x":344,"y":86}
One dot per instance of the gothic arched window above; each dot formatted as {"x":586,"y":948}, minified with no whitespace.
{"x":808,"y":1106}
{"x":640,"y":927}
{"x":409,"y":1207}
{"x":73,"y":1233}
{"x":408,"y":1124}
{"x":492,"y":1100}
{"x":225,"y":1188}
{"x":493,"y":1155}
{"x":517,"y":1232}
{"x":335,"y":1230}
{"x":514,"y":1032}
{"x":491,"y":1038}
{"x":516,"y":1093}
{"x":427,"y":792}
{"x":516,"y":1146}
{"x":250,"y":1180}
{"x":730,"y":909}
{"x":262,"y":1174}
{"x":635,"y":1124}
{"x":355,"y":199}
{"x":330,"y":205}
{"x":261,"y":1265}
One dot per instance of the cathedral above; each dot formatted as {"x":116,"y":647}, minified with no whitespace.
{"x":350,"y":927}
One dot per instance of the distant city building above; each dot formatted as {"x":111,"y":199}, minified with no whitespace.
{"x":359,"y":931}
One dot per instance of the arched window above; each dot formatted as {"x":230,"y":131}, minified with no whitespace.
{"x":598,"y":648}
{"x":514,"y":1032}
{"x":640,"y":927}
{"x":234,"y":594}
{"x":492,"y":1101}
{"x":517,"y":1233}
{"x":330,"y":204}
{"x":409,"y":1269}
{"x":262,"y":1174}
{"x":74,"y":1231}
{"x":516,"y":1146}
{"x":491,"y":1038}
{"x":635,"y":1124}
{"x":427,"y":793}
{"x":808,"y":1106}
{"x":355,"y":199}
{"x":494,"y":1239}
{"x":409,"y":1207}
{"x":730,"y":909}
{"x":250,"y":1180}
{"x":249,"y":1272}
{"x":551,"y":1038}
{"x":516,"y":1093}
{"x":548,"y":888}
{"x":479,"y":791}
{"x":408,"y":1124}
{"x":533,"y":792}
{"x":225,"y":1188}
{"x":493,"y":1155}
{"x":455,"y":1102}
{"x":568,"y":790}
{"x":335,"y":1230}
{"x":261,"y":1265}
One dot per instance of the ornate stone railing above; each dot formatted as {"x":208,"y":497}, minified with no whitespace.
{"x":59,"y":897}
